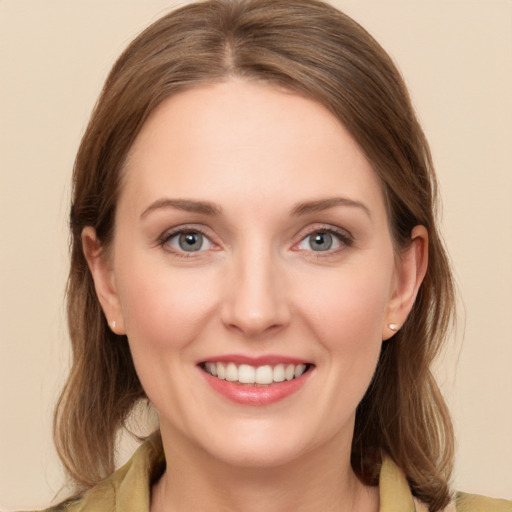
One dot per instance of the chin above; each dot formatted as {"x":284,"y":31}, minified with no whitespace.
{"x":258,"y":445}
{"x":265,"y":456}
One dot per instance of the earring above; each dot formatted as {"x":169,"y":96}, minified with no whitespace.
{"x":393,"y":327}
{"x":113,"y":325}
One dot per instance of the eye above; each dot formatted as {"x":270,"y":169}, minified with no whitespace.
{"x":323,"y":241}
{"x":188,"y":241}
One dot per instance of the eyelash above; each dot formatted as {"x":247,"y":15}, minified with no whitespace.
{"x":343,"y":237}
{"x":169,"y":235}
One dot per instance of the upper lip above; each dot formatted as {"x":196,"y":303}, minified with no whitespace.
{"x":263,"y":360}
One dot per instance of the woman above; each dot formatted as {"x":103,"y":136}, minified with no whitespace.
{"x":255,"y":252}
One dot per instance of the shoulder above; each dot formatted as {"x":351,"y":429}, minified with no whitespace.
{"x":463,"y":502}
{"x":476,"y":503}
{"x":94,"y":500}
{"x":128,"y":488}
{"x":65,"y":506}
{"x":396,"y":494}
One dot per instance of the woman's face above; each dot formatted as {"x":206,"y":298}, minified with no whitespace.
{"x":252,"y":243}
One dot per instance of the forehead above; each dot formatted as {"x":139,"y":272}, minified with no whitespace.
{"x":240,"y":139}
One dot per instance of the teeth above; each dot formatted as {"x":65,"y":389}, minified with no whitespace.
{"x":211,"y":368}
{"x":231,"y":372}
{"x":221,"y":371}
{"x":247,"y":374}
{"x":279,"y":375}
{"x":264,"y":375}
{"x":299,"y":370}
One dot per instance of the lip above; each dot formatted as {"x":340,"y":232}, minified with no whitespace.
{"x":252,"y":394}
{"x":238,"y":359}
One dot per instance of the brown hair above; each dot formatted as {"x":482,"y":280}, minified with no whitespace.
{"x":313,"y":49}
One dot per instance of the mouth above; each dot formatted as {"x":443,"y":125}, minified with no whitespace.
{"x":263,"y":375}
{"x":256,"y":381}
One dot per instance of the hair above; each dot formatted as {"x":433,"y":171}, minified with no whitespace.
{"x":314,"y":50}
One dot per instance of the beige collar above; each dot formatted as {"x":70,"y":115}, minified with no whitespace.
{"x":395,"y":493}
{"x":129,"y":487}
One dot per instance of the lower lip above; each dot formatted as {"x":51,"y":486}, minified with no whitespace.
{"x":249,"y":394}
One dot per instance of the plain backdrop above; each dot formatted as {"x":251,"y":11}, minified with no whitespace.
{"x":456,"y":56}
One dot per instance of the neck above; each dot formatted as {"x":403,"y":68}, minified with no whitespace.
{"x":318,"y":480}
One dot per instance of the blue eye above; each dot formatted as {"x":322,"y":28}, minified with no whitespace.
{"x":189,"y":241}
{"x":322,"y":241}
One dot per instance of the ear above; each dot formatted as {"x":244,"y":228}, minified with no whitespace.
{"x":104,"y":282}
{"x":411,"y":267}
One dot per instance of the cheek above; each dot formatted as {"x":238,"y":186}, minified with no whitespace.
{"x":162,"y":307}
{"x":348,"y":307}
{"x":347,"y":321}
{"x":165,"y":312}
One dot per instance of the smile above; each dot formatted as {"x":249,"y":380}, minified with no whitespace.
{"x":260,"y":375}
{"x":259,"y":381}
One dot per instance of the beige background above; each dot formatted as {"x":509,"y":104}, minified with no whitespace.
{"x":456,"y":56}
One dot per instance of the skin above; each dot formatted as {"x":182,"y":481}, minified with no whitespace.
{"x":258,"y":286}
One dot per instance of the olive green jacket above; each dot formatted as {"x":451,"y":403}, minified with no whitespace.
{"x":128,"y":489}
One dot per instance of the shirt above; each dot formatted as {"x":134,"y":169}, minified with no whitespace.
{"x":129,"y":489}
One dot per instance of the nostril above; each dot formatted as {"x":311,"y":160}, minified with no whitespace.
{"x":254,"y":301}
{"x":253,"y":329}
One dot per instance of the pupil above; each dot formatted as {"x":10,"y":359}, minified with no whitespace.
{"x":191,"y":241}
{"x":322,"y":241}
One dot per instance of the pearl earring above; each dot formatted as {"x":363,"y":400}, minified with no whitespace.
{"x":113,"y":325}
{"x":393,"y":327}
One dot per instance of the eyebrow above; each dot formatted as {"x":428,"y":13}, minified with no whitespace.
{"x":188,"y":205}
{"x":208,"y":208}
{"x":325,"y":204}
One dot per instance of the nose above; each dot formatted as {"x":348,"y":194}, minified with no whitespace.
{"x":255,"y":297}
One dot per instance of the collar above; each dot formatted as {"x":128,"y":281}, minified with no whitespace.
{"x":129,"y":488}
